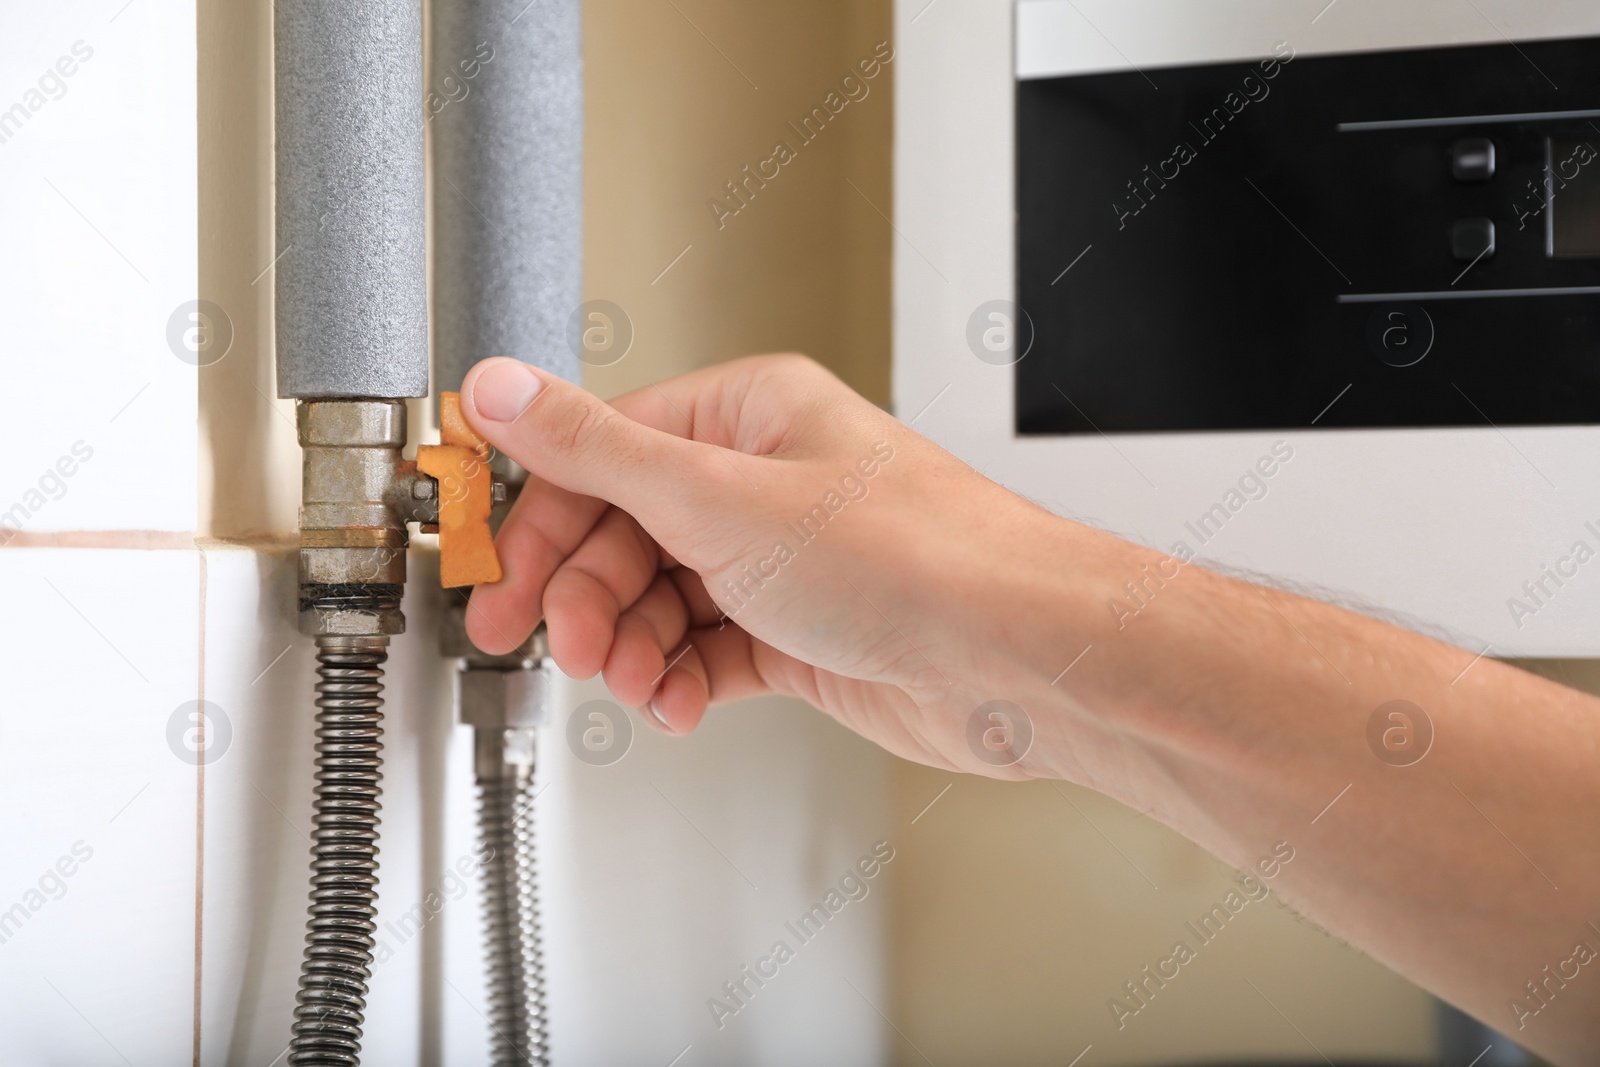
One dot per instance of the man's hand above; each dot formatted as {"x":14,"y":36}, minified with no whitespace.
{"x":752,"y":527}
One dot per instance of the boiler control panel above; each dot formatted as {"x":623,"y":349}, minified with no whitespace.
{"x":1405,"y":238}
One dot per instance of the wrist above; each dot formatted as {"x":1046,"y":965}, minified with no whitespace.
{"x":1037,"y":617}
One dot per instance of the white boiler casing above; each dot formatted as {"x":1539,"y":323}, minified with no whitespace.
{"x":1438,"y":529}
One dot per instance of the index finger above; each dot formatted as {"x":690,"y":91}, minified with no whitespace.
{"x":544,"y":527}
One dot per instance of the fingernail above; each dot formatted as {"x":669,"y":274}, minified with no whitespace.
{"x":655,"y":713}
{"x":504,"y":391}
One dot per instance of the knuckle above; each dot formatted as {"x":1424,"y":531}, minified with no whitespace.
{"x":794,"y":365}
{"x":802,"y":376}
{"x":574,"y":429}
{"x":712,"y":468}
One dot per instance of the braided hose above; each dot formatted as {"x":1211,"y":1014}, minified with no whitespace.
{"x":517,"y":1013}
{"x":344,"y":853}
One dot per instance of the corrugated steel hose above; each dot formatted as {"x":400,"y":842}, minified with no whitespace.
{"x":517,"y":1013}
{"x":344,"y":852}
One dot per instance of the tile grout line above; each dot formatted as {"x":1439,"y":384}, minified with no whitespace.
{"x":200,"y":807}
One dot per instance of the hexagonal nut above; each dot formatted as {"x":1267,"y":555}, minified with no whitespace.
{"x":351,"y":423}
{"x":351,"y":622}
{"x":490,"y":698}
{"x":383,"y":565}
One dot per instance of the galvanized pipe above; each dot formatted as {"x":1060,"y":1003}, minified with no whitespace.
{"x":351,"y":267}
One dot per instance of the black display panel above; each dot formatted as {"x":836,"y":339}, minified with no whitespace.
{"x":1573,"y":194}
{"x":1406,"y":238}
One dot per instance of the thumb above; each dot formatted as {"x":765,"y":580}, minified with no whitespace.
{"x":571,"y":438}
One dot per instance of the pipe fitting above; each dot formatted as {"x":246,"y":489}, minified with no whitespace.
{"x":425,"y":491}
{"x":492,"y":699}
{"x":357,"y":496}
{"x":502,"y":697}
{"x":506,"y":754}
{"x":351,"y":611}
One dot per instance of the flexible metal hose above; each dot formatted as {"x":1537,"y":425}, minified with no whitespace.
{"x":344,"y":853}
{"x":517,"y":1012}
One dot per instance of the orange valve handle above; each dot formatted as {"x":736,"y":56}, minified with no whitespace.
{"x":460,"y":464}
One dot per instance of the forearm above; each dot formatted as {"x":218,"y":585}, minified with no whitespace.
{"x":1240,"y":717}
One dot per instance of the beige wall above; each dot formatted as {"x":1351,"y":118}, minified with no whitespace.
{"x":672,"y":116}
{"x":1022,"y":910}
{"x":249,"y":459}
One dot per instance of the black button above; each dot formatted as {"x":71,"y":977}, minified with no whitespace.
{"x":1472,"y":239}
{"x":1472,"y":159}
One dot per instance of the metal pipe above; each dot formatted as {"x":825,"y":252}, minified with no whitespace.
{"x":351,"y":272}
{"x":357,"y":495}
{"x":513,"y":941}
{"x":505,"y":699}
{"x":330,"y":1007}
{"x":505,"y":113}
